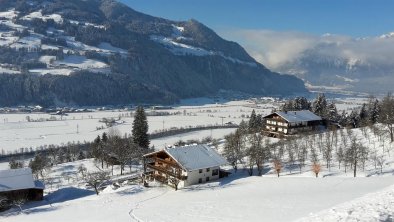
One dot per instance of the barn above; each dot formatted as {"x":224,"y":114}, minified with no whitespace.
{"x":19,"y":183}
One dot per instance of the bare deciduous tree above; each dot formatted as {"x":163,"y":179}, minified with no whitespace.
{"x":328,"y":147}
{"x":355,"y":154}
{"x":174,"y":181}
{"x":302,"y":155}
{"x":233,"y":148}
{"x":387,"y":114}
{"x":316,"y":168}
{"x":381,"y":161}
{"x":277,"y":166}
{"x":96,"y":179}
{"x":340,"y":156}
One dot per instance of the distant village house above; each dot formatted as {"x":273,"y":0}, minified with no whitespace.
{"x":279,"y":124}
{"x":184,"y":166}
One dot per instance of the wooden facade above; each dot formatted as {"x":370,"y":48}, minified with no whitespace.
{"x":33,"y":194}
{"x":277,"y":125}
{"x":19,"y":185}
{"x":161,"y":167}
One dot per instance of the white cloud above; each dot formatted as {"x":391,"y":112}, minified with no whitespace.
{"x":275,"y":48}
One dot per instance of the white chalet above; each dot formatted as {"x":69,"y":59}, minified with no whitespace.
{"x":183,"y":166}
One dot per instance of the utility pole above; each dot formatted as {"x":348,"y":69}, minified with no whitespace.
{"x":222,"y":119}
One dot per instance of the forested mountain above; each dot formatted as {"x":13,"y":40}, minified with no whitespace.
{"x":96,"y":52}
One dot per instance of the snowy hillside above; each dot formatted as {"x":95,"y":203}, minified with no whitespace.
{"x":55,"y":65}
{"x":376,"y":206}
{"x":237,"y":198}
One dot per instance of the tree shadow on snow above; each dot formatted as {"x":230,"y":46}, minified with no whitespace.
{"x":29,"y":208}
{"x":226,"y":181}
{"x":378,"y":173}
{"x":67,"y":193}
{"x":131,"y":191}
{"x":59,"y":196}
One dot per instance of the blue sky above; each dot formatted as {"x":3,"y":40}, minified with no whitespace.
{"x":356,"y":18}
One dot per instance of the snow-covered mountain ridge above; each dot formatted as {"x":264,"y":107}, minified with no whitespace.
{"x":334,"y":60}
{"x":134,"y":57}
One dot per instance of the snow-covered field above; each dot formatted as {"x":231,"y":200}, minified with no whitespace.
{"x":16,"y":132}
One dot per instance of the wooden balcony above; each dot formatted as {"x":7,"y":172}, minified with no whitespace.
{"x":166,"y":171}
{"x":159,"y":160}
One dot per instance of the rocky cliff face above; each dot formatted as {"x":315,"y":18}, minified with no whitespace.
{"x":96,"y":52}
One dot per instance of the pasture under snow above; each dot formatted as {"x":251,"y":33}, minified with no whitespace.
{"x":16,"y":132}
{"x":236,"y":198}
{"x":38,"y":15}
{"x":81,"y":62}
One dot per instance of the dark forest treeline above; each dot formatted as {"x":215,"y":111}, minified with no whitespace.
{"x":83,"y":88}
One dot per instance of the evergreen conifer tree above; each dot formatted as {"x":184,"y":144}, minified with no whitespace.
{"x":253,"y":124}
{"x":332,"y":112}
{"x":320,"y":106}
{"x":373,"y":110}
{"x":140,"y":129}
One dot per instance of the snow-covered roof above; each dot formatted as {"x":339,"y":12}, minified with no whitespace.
{"x":18,"y":179}
{"x":298,"y":116}
{"x":196,"y":157}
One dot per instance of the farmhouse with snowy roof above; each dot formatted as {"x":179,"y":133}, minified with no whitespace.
{"x":279,"y":124}
{"x":17,"y":183}
{"x":184,"y":166}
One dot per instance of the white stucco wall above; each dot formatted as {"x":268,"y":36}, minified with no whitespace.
{"x":194,"y":176}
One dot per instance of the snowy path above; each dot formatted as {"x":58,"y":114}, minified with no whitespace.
{"x":137,"y":205}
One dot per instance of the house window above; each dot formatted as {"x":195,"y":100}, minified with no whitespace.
{"x":215,"y":172}
{"x":200,"y":180}
{"x":208,"y":169}
{"x":207,"y":179}
{"x":200,"y":170}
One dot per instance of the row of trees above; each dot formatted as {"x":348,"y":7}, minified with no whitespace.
{"x":113,"y":149}
{"x":343,"y":147}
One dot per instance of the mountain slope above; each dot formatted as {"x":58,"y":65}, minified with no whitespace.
{"x":360,"y":65}
{"x":97,"y":52}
